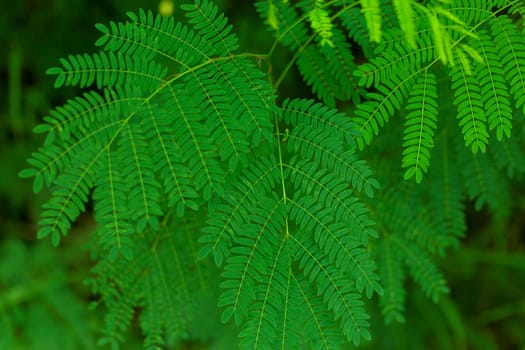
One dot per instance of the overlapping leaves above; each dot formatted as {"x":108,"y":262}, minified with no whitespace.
{"x":153,"y":128}
{"x":294,"y":215}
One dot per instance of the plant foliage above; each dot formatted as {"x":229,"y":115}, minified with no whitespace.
{"x":188,"y":151}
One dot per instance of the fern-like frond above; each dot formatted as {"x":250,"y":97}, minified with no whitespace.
{"x":289,"y":29}
{"x":143,"y":189}
{"x":405,"y":16}
{"x":371,"y":10}
{"x":212,"y":26}
{"x":332,"y":191}
{"x":336,"y":289}
{"x":394,"y":60}
{"x":420,"y":124}
{"x":249,"y":261}
{"x":472,"y":12}
{"x":261,"y":331}
{"x":315,"y":71}
{"x":380,"y":106}
{"x":355,"y":24}
{"x":423,"y":270}
{"x":227,"y":219}
{"x":70,"y":129}
{"x":483,"y":182}
{"x":323,"y":56}
{"x":176,"y":103}
{"x":509,"y":157}
{"x":446,"y":198}
{"x":319,"y":328}
{"x":292,"y":191}
{"x":173,"y":173}
{"x":111,"y":212}
{"x":493,"y":87}
{"x":327,"y":150}
{"x":321,"y":23}
{"x":471,"y":113}
{"x":399,"y":212}
{"x":392,"y":276}
{"x":164,"y":279}
{"x":341,"y":63}
{"x":175,"y":118}
{"x":290,"y":323}
{"x":107,"y":70}
{"x":69,"y":198}
{"x":193,"y":140}
{"x":248,"y":92}
{"x":120,"y":286}
{"x":511,"y":51}
{"x":346,"y":252}
{"x":516,"y":7}
{"x":320,"y":117}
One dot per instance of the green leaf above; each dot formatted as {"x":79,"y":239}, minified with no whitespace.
{"x":420,"y":123}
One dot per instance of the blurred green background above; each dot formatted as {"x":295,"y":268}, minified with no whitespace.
{"x":43,"y":299}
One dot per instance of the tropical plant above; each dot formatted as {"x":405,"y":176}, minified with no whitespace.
{"x":188,"y":150}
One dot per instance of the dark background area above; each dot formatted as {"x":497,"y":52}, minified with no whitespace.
{"x":43,"y":300}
